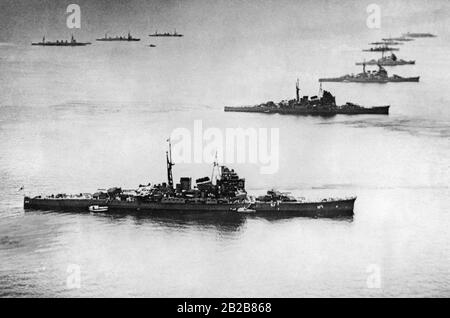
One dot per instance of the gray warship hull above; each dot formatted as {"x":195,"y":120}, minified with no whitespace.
{"x":381,"y":110}
{"x":61,"y":44}
{"x":370,"y":80}
{"x":382,"y":50}
{"x":166,"y":35}
{"x":118,"y":40}
{"x":326,"y":209}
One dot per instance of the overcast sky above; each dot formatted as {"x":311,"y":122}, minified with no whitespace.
{"x":26,"y":20}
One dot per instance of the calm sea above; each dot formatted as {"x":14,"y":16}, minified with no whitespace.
{"x":79,"y":119}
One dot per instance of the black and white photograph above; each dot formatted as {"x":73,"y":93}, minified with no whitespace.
{"x":218,"y":149}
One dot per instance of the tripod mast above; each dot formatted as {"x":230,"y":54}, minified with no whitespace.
{"x":169,"y":165}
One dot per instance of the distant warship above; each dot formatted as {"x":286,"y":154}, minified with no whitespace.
{"x":118,"y":38}
{"x":167,"y":34}
{"x":223,"y":194}
{"x":390,"y":60}
{"x":419,"y":35}
{"x":386,"y":43}
{"x":72,"y":42}
{"x":325,"y":105}
{"x":379,"y":76}
{"x":401,"y":38}
{"x":381,"y":48}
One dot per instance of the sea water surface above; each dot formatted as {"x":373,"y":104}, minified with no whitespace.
{"x":77,"y":119}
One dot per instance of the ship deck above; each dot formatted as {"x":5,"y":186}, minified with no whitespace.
{"x":329,"y":208}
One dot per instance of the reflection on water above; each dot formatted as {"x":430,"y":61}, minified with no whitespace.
{"x":229,"y":254}
{"x":223,"y":223}
{"x":414,"y":126}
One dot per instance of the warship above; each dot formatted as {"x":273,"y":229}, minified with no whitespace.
{"x":72,"y":42}
{"x":118,"y":38}
{"x":224,"y":192}
{"x":381,"y":48}
{"x":322,"y":105}
{"x":400,"y":38}
{"x":390,"y":60}
{"x":419,"y":35}
{"x":380,"y":76}
{"x":386,"y":43}
{"x":166,"y":34}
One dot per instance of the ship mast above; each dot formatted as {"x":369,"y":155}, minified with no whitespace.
{"x":169,"y":165}
{"x":297,"y":90}
{"x":215,"y":164}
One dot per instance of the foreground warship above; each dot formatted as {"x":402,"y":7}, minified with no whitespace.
{"x":227,"y":194}
{"x":389,"y":60}
{"x":129,"y":38}
{"x":319,"y":106}
{"x":72,"y":42}
{"x":380,"y":76}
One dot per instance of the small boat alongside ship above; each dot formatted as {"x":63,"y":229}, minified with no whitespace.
{"x":98,"y":208}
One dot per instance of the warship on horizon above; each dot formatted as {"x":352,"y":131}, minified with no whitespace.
{"x":118,"y":38}
{"x":166,"y":34}
{"x":381,"y":48}
{"x":387,"y":43}
{"x":419,"y":35}
{"x":72,"y":42}
{"x":400,"y":38}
